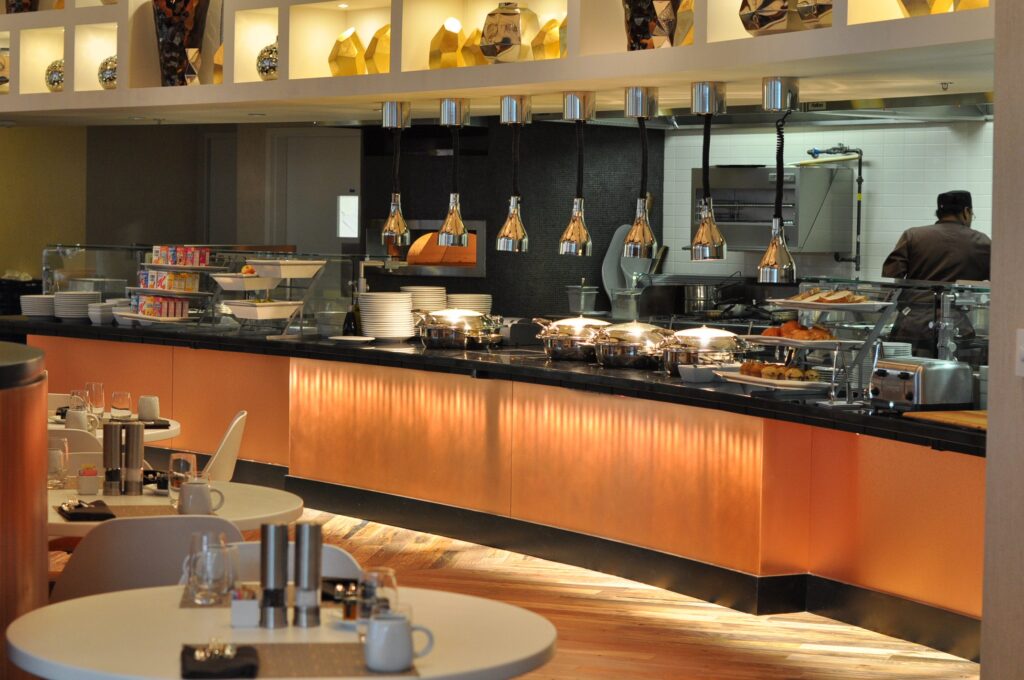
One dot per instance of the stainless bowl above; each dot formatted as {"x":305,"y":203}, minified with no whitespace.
{"x":458,"y":329}
{"x":673,"y":357}
{"x":570,"y":339}
{"x":629,"y":345}
{"x":620,"y":355}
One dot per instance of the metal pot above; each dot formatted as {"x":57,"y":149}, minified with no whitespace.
{"x":458,"y":329}
{"x":700,"y":346}
{"x":699,"y":298}
{"x":629,"y":345}
{"x":570,"y":339}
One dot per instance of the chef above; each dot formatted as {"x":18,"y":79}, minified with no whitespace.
{"x":947,"y":251}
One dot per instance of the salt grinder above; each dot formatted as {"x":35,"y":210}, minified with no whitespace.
{"x":112,"y":459}
{"x":308,"y":557}
{"x":134,"y":448}
{"x":273,"y":575}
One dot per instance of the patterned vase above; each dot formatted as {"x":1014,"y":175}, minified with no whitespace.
{"x":651,"y":24}
{"x":767,"y":17}
{"x":15,"y":6}
{"x":179,"y":35}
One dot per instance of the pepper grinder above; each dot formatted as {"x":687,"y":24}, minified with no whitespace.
{"x":308,"y":563}
{"x":134,"y":448}
{"x":112,"y":459}
{"x":273,"y":575}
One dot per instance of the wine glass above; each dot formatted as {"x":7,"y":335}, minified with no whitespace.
{"x":121,"y":405}
{"x":79,"y":400}
{"x":181,"y":468}
{"x":57,"y":461}
{"x":379,"y":591}
{"x":212,"y":573}
{"x":96,"y":400}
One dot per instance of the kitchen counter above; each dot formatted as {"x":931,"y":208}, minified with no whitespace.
{"x":531,"y":366}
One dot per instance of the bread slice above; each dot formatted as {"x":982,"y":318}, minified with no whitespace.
{"x":817,"y":297}
{"x":806,"y":294}
{"x":837,"y":297}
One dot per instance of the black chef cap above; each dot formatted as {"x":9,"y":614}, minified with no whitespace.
{"x":954,"y":202}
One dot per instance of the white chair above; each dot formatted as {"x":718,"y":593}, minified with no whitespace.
{"x":337,"y":563}
{"x":134,"y":552}
{"x":79,"y":441}
{"x":221,"y":467}
{"x":56,"y":400}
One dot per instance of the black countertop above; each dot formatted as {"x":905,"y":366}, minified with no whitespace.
{"x":529,"y":365}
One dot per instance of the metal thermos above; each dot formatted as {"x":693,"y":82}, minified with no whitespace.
{"x":273,"y":575}
{"x":134,"y":448}
{"x":308,"y":566}
{"x":112,"y":459}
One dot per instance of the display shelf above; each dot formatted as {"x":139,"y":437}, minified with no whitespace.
{"x":160,"y":292}
{"x":39,"y":47}
{"x":210,"y":269}
{"x":315,"y":26}
{"x":5,"y":62}
{"x":93,"y":44}
{"x":869,"y":11}
{"x":254,"y":29}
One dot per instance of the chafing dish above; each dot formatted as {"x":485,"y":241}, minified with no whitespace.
{"x":458,"y":329}
{"x":700,"y":346}
{"x":570,"y":339}
{"x":629,"y":345}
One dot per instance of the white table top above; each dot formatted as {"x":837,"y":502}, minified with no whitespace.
{"x":246,"y":505}
{"x":139,"y":634}
{"x":151,"y":435}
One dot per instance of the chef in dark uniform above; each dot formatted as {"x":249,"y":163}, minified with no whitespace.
{"x":947,"y":251}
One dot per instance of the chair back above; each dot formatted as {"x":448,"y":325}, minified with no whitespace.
{"x":79,"y":441}
{"x":221,"y":467}
{"x":134,"y":552}
{"x":56,"y":400}
{"x":337,"y":563}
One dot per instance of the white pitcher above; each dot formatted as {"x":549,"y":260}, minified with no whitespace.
{"x":196,"y":498}
{"x":388,"y":647}
{"x":81,"y":420}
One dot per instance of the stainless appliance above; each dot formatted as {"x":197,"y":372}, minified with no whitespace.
{"x":919,"y":384}
{"x":817,"y":207}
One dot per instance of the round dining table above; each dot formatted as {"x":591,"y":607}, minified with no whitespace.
{"x":247,"y":506}
{"x":140,"y":634}
{"x":151,"y":435}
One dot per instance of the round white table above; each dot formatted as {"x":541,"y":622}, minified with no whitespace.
{"x":151,"y":435}
{"x":139,"y":634}
{"x":247,"y":506}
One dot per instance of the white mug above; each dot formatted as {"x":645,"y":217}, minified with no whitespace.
{"x":81,"y":420}
{"x":388,"y":646}
{"x":196,"y":498}
{"x":149,"y":408}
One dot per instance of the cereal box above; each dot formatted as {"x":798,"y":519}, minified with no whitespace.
{"x":156,"y":255}
{"x":143,"y":278}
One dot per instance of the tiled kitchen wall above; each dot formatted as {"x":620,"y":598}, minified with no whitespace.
{"x":905,"y":168}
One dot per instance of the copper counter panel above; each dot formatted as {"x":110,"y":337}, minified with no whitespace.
{"x":23,"y":560}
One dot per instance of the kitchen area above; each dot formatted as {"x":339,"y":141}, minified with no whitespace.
{"x":640,"y":321}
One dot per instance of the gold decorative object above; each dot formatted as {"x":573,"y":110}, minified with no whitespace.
{"x":55,"y":76}
{"x":563,"y":36}
{"x":107,"y":73}
{"x":378,"y":52}
{"x":5,"y":70}
{"x":548,"y":43}
{"x":962,"y":5}
{"x":348,"y":56}
{"x":767,"y":17}
{"x":446,"y":46}
{"x":194,"y":58}
{"x":472,"y":54}
{"x":920,"y":8}
{"x":684,"y":24}
{"x":218,"y":65}
{"x":651,"y":24}
{"x":508,"y":33}
{"x":266,"y":62}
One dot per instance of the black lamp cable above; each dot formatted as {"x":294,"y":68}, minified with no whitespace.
{"x":642,"y":124}
{"x":516,"y":131}
{"x":455,"y":159}
{"x":579,"y":158}
{"x":780,"y":127}
{"x":706,"y":167}
{"x":396,"y":185}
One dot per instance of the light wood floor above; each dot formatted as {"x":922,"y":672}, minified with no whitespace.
{"x":609,"y":627}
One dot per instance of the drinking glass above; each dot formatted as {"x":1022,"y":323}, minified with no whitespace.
{"x":212,"y":573}
{"x":57,"y":461}
{"x":379,"y":591}
{"x":79,"y":400}
{"x":121,"y":405}
{"x":96,"y":397}
{"x":182,"y":467}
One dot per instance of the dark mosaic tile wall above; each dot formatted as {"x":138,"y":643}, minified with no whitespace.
{"x":534,"y":283}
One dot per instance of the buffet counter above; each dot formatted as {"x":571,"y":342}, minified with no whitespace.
{"x":760,"y":504}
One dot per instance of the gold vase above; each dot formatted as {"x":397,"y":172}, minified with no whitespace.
{"x":920,"y":8}
{"x":378,"y":52}
{"x":767,"y":17}
{"x":446,"y":45}
{"x":508,"y":33}
{"x":347,"y":57}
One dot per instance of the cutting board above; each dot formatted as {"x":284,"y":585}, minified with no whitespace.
{"x":972,"y":420}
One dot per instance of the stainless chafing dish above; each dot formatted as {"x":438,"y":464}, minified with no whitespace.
{"x":629,"y":345}
{"x":458,"y":329}
{"x":700,"y":346}
{"x":570,"y":339}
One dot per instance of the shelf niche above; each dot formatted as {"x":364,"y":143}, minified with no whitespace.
{"x":254,"y":30}
{"x":39,"y":48}
{"x":314,"y":28}
{"x":93,"y":44}
{"x":870,"y":11}
{"x":5,"y":61}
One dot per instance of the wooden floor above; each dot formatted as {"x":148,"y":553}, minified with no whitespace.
{"x":609,"y":627}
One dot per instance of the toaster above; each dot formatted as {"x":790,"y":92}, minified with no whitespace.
{"x":919,"y":384}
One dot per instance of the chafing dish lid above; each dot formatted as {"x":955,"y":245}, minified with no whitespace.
{"x":458,"y":319}
{"x":704,"y":338}
{"x":632,"y":333}
{"x":573,"y":327}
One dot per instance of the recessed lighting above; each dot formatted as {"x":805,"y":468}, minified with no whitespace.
{"x":257,"y":115}
{"x":138,"y":118}
{"x":342,"y":5}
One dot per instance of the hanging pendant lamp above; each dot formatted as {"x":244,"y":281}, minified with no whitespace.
{"x":395,"y":116}
{"x":575,"y":240}
{"x":642,"y":104}
{"x":516,"y":112}
{"x":707,"y":99}
{"x":454,"y":114}
{"x":779,"y":95}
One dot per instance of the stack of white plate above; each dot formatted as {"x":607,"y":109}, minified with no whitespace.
{"x":387,"y":316}
{"x":897,"y":350}
{"x":478,"y":302}
{"x":101,"y":312}
{"x":427,"y":298}
{"x":37,"y":305}
{"x":75,"y":304}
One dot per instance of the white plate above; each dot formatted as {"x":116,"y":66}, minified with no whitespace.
{"x":245,"y":282}
{"x":352,"y":339}
{"x":287,"y":269}
{"x":771,"y":341}
{"x":765,"y":382}
{"x":261,"y":311}
{"x":828,"y":307}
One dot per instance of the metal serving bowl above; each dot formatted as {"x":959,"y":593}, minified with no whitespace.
{"x":458,"y":329}
{"x":700,"y":346}
{"x":570,"y":339}
{"x":629,"y":345}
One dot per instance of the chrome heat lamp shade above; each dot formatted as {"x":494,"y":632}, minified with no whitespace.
{"x":575,"y":239}
{"x":516,"y":112}
{"x":708,"y":243}
{"x":395,"y":116}
{"x":453,"y":232}
{"x":454,"y":115}
{"x":640,"y":241}
{"x":777,"y":264}
{"x":395,"y":230}
{"x":512,"y":238}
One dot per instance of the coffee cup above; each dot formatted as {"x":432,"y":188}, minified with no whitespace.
{"x":81,"y":420}
{"x":149,"y":408}
{"x":89,"y":486}
{"x":196,"y":498}
{"x":388,"y":647}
